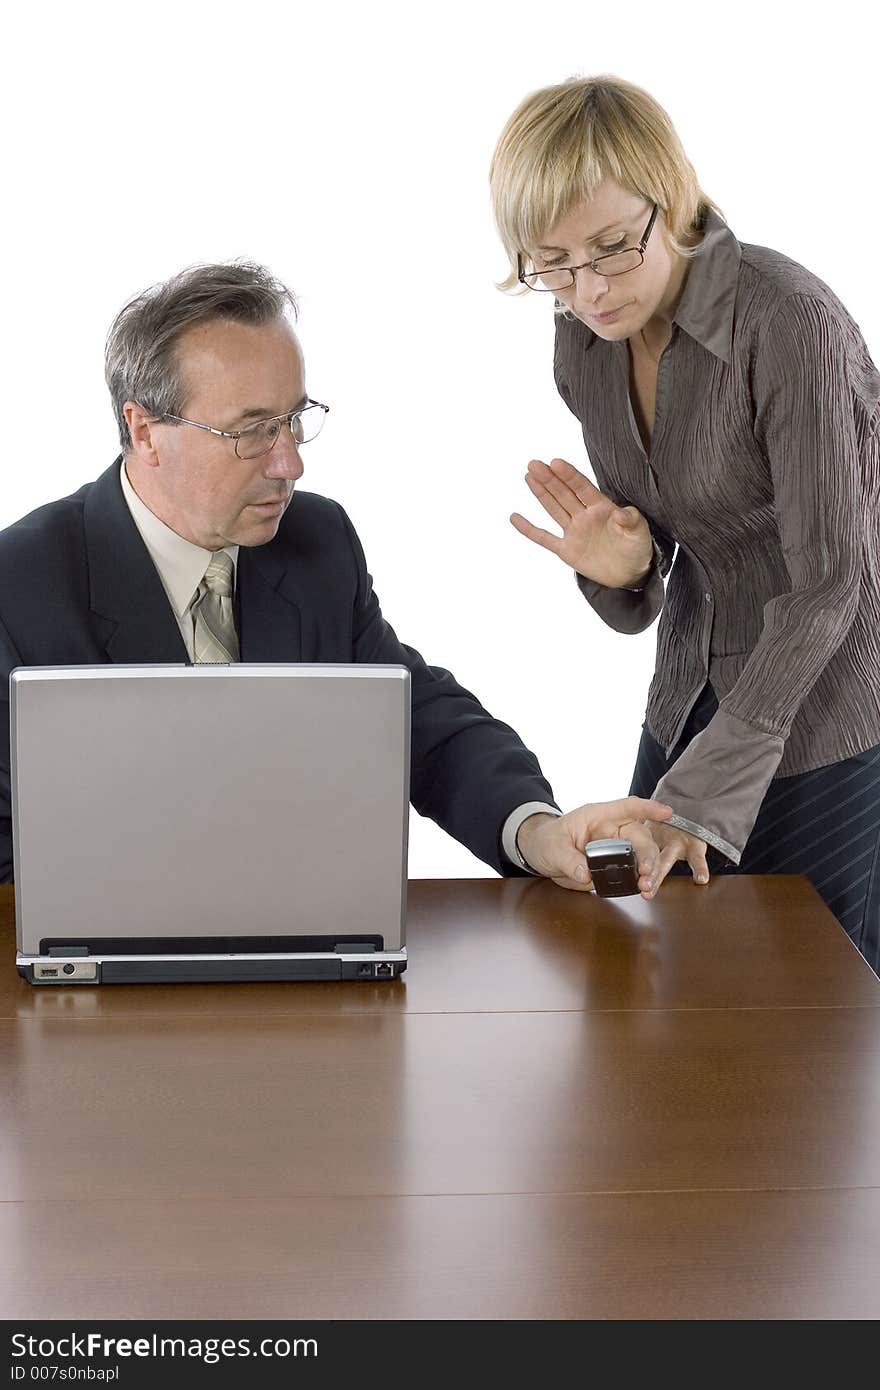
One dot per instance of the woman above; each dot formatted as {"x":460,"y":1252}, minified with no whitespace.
{"x":730,"y":409}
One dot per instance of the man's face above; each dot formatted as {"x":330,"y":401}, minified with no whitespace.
{"x":618,"y":306}
{"x":233,"y":375}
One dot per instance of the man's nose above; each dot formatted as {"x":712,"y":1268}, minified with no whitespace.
{"x":283,"y":459}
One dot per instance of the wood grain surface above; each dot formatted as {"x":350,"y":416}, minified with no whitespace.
{"x":567,"y":1108}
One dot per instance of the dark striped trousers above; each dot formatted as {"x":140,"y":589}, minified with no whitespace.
{"x":824,"y":824}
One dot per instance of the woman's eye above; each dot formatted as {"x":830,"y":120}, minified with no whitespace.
{"x":610,"y":250}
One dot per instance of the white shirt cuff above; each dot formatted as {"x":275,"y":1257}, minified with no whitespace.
{"x":512,"y":825}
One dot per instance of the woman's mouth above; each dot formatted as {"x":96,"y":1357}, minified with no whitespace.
{"x":610,"y":316}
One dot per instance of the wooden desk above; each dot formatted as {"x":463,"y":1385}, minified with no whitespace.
{"x":567,"y":1108}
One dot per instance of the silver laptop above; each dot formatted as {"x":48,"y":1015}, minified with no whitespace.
{"x":182,"y":823}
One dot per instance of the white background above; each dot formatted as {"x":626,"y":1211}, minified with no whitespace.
{"x":347,"y":147}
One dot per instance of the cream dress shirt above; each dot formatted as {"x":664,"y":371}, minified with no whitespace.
{"x":180,"y":564}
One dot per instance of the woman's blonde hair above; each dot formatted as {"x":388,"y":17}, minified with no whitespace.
{"x":562,"y":141}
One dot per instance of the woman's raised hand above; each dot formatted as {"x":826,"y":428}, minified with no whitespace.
{"x":608,"y":544}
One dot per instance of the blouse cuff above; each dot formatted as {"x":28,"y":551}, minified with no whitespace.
{"x":627,"y":610}
{"x":716,"y":787}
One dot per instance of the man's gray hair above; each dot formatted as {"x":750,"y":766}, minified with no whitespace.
{"x":140,"y":361}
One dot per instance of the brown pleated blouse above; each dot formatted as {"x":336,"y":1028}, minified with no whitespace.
{"x":763,"y":482}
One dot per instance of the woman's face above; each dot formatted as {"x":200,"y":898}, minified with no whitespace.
{"x":617,"y":306}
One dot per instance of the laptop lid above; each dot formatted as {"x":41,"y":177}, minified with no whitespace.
{"x":209,"y":812}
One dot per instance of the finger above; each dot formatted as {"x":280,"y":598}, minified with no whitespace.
{"x":574,"y":885}
{"x":565,"y":495}
{"x":668,"y":858}
{"x":647,"y":851}
{"x":586,"y":492}
{"x":534,"y":533}
{"x":548,"y":502}
{"x":638,"y":808}
{"x":575,"y":875}
{"x":565,"y":860}
{"x":698,"y":862}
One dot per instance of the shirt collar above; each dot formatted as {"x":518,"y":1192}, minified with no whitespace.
{"x":706,"y":308}
{"x":180,"y":563}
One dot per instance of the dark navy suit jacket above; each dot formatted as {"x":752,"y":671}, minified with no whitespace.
{"x":78,"y":587}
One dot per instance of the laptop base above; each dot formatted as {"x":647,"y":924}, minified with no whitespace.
{"x":205,"y":969}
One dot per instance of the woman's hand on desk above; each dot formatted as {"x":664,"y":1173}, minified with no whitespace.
{"x":675,"y":844}
{"x":608,"y":544}
{"x":554,"y":845}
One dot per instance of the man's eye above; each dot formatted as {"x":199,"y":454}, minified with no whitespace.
{"x":272,"y":428}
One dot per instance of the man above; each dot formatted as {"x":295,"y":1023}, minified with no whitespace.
{"x":192,"y":547}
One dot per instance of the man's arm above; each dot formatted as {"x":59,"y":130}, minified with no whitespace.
{"x":469,"y":771}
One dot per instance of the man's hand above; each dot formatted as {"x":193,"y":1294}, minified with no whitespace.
{"x":554,"y":845}
{"x":675,"y":844}
{"x":609,"y":544}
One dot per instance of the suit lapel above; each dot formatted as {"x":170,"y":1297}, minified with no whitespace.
{"x":135,"y":620}
{"x":269,"y":622}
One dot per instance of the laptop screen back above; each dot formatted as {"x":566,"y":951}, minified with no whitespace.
{"x":233,"y":802}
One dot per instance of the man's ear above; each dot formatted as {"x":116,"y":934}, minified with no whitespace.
{"x":141,"y":426}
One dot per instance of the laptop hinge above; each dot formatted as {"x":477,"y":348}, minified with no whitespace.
{"x":357,"y":948}
{"x":68,"y":950}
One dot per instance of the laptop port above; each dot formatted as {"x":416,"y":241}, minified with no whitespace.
{"x":47,"y":972}
{"x":384,"y":968}
{"x":365,"y":969}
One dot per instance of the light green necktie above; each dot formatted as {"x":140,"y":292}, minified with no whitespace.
{"x":214,"y":635}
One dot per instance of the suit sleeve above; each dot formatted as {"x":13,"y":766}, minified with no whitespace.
{"x":468,"y":770}
{"x":9,"y":659}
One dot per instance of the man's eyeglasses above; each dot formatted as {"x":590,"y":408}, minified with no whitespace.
{"x":555,"y":278}
{"x":250,"y":443}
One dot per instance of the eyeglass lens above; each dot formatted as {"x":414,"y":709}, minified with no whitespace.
{"x":560,"y":278}
{"x":260,"y":438}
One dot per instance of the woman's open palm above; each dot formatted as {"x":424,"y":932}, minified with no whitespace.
{"x":608,"y":544}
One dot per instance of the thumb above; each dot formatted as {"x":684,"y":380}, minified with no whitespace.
{"x":629,"y":518}
{"x":571,"y":864}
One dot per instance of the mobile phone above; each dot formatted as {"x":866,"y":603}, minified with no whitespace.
{"x":613,"y":868}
